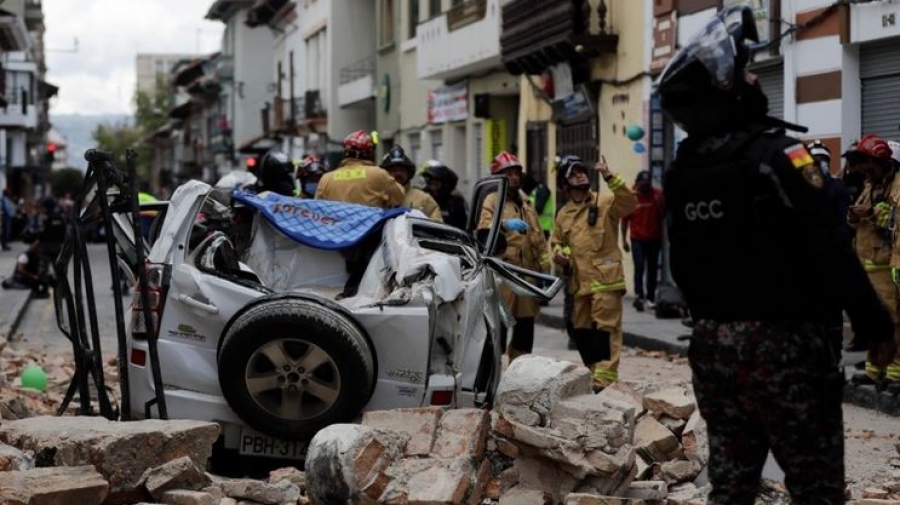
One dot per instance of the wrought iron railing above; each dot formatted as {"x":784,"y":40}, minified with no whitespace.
{"x":358,"y":70}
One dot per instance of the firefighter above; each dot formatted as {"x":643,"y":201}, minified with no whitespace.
{"x":873,"y":218}
{"x":309,"y":172}
{"x":586,"y":241}
{"x":358,"y":180}
{"x":753,"y":248}
{"x":526,"y":248}
{"x":402,"y":169}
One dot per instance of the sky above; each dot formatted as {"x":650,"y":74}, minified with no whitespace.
{"x":99,"y":77}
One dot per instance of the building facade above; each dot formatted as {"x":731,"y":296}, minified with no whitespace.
{"x":153,"y":69}
{"x":24,"y":119}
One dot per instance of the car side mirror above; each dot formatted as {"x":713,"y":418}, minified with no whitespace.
{"x":499,"y":247}
{"x":488,"y":232}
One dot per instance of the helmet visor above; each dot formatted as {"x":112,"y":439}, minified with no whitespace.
{"x":714,"y":47}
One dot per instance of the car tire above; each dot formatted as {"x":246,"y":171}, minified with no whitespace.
{"x":291,"y":367}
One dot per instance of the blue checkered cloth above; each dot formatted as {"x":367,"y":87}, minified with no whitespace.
{"x":322,"y":224}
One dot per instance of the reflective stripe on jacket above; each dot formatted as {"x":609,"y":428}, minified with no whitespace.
{"x":594,"y":250}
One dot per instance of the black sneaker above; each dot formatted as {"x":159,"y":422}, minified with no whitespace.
{"x":892,"y":387}
{"x":862,"y":379}
{"x":638,"y":304}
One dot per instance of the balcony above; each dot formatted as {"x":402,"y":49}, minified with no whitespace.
{"x":15,"y":115}
{"x":34,"y":16}
{"x":538,"y":34}
{"x":459,"y":42}
{"x":13,"y":33}
{"x":20,"y":110}
{"x":356,"y":83}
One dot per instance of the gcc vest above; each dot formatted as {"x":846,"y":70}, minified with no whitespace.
{"x":738,"y":248}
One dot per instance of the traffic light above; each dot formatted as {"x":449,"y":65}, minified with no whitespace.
{"x":50,"y":153}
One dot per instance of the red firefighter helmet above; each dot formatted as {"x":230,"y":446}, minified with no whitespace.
{"x":312,"y":165}
{"x":503,"y":161}
{"x":359,"y":145}
{"x":874,"y":146}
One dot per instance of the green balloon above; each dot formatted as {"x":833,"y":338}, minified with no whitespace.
{"x":634,"y":132}
{"x":34,"y":377}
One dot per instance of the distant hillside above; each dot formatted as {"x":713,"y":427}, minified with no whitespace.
{"x":77,"y":129}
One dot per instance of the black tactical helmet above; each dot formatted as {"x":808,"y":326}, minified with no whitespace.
{"x":277,"y":173}
{"x":703,"y":88}
{"x":565,"y":167}
{"x":436,"y":170}
{"x":396,"y":157}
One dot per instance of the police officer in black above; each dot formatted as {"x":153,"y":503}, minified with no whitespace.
{"x":276,"y":174}
{"x":754,"y":249}
{"x":51,"y":233}
{"x":441,"y":185}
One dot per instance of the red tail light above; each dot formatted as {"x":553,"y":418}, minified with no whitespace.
{"x":441,"y":397}
{"x":156,"y":299}
{"x":138,"y":357}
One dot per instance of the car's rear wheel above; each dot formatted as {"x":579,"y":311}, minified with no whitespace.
{"x":290,"y":367}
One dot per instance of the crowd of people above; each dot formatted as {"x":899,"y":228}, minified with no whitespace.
{"x":43,"y":231}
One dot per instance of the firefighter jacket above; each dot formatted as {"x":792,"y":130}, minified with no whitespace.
{"x":359,"y":181}
{"x":526,"y":250}
{"x":422,"y":201}
{"x":874,"y":232}
{"x":752,"y":236}
{"x":596,"y":260}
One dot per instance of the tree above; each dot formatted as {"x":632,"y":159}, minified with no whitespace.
{"x":66,"y":180}
{"x":150,"y":113}
{"x":116,"y":138}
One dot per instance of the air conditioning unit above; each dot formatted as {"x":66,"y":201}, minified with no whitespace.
{"x":313,"y":104}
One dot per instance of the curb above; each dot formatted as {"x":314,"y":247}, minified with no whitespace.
{"x":629,"y":339}
{"x":860,"y":396}
{"x":19,"y":309}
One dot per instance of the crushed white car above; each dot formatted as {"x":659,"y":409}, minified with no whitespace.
{"x":252,"y":335}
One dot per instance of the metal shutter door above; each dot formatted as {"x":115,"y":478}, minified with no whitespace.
{"x":771,"y":79}
{"x":880,"y":75}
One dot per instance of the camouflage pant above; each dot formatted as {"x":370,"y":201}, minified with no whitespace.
{"x":770,"y":387}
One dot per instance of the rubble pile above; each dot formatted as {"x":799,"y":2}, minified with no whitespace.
{"x":884,"y":489}
{"x":17,"y":402}
{"x":92,"y":461}
{"x":549,"y":440}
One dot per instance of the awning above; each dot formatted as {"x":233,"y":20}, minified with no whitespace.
{"x":263,"y":11}
{"x":221,"y":10}
{"x":47,"y":90}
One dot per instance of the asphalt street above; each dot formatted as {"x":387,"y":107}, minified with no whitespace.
{"x":38,"y":330}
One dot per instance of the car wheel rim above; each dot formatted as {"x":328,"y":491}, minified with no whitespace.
{"x":293,"y":379}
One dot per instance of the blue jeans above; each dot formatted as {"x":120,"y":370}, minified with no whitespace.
{"x":646,"y":255}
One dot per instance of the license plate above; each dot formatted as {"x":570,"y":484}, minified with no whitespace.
{"x":254,"y":443}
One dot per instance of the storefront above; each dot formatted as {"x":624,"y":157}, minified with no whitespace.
{"x":879,"y":72}
{"x":770,"y":74}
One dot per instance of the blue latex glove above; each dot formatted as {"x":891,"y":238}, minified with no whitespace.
{"x":515,"y":224}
